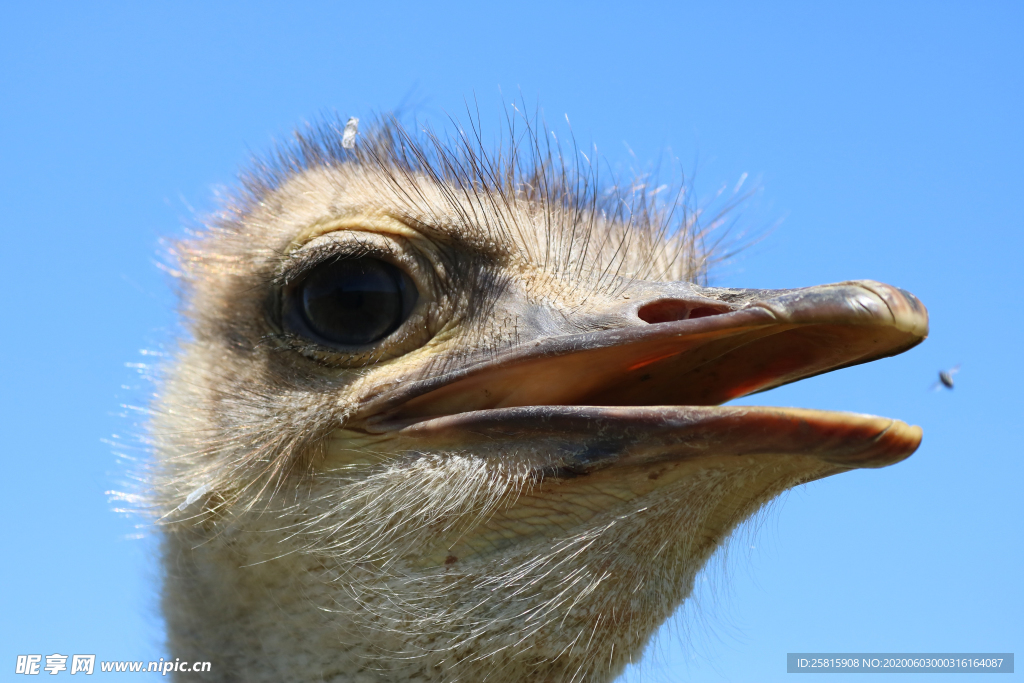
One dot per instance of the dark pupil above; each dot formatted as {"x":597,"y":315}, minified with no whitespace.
{"x":355,"y":302}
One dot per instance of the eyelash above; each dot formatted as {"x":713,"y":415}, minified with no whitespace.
{"x":305,"y":260}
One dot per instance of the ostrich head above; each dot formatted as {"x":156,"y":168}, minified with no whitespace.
{"x":445,"y":415}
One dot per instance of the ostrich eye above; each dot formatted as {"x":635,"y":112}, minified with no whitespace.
{"x":352,"y":302}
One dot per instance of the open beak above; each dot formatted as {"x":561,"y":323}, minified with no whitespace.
{"x":647,"y":389}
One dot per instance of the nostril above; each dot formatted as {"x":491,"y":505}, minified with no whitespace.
{"x":671,"y":310}
{"x":664,"y":311}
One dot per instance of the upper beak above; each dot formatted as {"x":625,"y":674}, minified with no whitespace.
{"x":677,"y":347}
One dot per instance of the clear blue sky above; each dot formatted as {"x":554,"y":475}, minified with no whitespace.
{"x":888,"y":139}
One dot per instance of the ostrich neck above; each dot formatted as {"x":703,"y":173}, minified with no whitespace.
{"x":554,"y":607}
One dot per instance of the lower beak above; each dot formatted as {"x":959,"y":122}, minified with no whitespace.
{"x":568,"y":441}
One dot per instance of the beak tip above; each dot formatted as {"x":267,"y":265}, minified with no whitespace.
{"x":908,"y":313}
{"x":896,"y":443}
